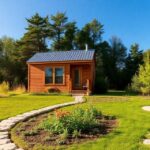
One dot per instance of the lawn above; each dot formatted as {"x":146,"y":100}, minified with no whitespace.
{"x":14,"y":105}
{"x":133,"y":123}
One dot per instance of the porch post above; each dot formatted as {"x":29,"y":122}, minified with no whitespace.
{"x":88,"y":87}
{"x":70,"y":85}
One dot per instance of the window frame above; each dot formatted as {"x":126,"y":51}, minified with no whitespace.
{"x":53,"y":75}
{"x":45,"y":75}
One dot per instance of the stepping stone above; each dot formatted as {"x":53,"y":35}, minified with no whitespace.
{"x":3,"y":136}
{"x":10,"y":146}
{"x":147,"y":108}
{"x":146,"y":142}
{"x":4,"y":141}
{"x":3,"y":133}
{"x":5,"y":125}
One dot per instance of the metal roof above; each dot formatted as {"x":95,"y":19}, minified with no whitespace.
{"x":73,"y":55}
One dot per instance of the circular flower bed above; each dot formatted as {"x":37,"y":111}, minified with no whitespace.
{"x":62,"y":128}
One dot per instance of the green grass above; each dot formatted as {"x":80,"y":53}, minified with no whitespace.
{"x":133,"y":123}
{"x":13,"y":105}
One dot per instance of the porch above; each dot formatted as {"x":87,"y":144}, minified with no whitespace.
{"x":80,"y":79}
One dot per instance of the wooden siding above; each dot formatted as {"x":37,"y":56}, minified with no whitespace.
{"x":36,"y":76}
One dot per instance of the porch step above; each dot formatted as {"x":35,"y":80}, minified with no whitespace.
{"x":78,"y":92}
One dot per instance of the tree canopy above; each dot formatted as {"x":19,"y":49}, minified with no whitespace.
{"x":115,"y":66}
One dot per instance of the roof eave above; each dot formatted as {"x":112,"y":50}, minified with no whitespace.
{"x":70,"y":61}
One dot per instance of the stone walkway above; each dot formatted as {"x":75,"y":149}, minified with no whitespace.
{"x":6,"y":125}
{"x":146,"y":108}
{"x":146,"y":141}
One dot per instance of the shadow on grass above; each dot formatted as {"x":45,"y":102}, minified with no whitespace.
{"x":118,"y":93}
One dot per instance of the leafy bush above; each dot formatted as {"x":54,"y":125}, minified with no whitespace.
{"x":53,"y":90}
{"x":4,"y":88}
{"x":77,"y":120}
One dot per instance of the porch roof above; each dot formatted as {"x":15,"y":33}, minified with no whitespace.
{"x":72,"y":55}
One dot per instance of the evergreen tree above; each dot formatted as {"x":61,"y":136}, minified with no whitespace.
{"x":134,"y":59}
{"x":142,"y":82}
{"x":34,"y":40}
{"x":57,"y":28}
{"x":1,"y":48}
{"x":117,"y":57}
{"x":68,"y":41}
{"x":90,"y":34}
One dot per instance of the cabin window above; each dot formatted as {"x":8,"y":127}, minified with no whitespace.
{"x":59,"y":75}
{"x":48,"y":75}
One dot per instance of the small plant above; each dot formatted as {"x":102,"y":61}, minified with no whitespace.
{"x":63,"y":137}
{"x":76,"y":134}
{"x":31,"y":133}
{"x":4,"y":88}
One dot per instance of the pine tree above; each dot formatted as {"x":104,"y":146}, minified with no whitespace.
{"x":33,"y":41}
{"x":143,"y":78}
{"x":134,"y":59}
{"x":57,"y":28}
{"x":90,"y":34}
{"x":68,"y":41}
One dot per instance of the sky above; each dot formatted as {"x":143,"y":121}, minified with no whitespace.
{"x":127,"y":19}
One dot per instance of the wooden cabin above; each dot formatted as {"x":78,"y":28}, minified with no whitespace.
{"x":62,"y":71}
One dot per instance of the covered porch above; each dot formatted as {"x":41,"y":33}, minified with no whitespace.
{"x":80,"y":79}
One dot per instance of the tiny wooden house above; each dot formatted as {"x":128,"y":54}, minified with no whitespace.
{"x":64,"y":71}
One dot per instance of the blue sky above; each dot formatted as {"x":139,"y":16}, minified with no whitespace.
{"x":126,"y":19}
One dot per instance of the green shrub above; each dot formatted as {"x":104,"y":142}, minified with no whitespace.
{"x":53,"y":90}
{"x":76,"y":134}
{"x":79,"y":120}
{"x":4,"y":88}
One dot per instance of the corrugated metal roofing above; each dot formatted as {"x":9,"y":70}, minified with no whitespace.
{"x":73,"y":55}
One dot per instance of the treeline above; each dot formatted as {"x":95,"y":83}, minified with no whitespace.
{"x":115,"y":66}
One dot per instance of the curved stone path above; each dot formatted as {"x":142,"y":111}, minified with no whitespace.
{"x":146,"y":108}
{"x":6,"y":125}
{"x":146,"y":141}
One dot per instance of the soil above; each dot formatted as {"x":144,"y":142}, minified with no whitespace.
{"x":42,"y":137}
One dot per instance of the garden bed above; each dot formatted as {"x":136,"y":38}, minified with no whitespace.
{"x":62,"y":128}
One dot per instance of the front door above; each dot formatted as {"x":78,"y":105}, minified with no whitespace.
{"x":76,"y":73}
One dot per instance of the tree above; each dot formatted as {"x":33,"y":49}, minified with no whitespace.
{"x":134,"y":59}
{"x":8,"y":66}
{"x":57,"y":28}
{"x":90,"y":34}
{"x":116,"y":57}
{"x":142,"y":82}
{"x":1,"y":48}
{"x":68,"y":41}
{"x":33,"y":41}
